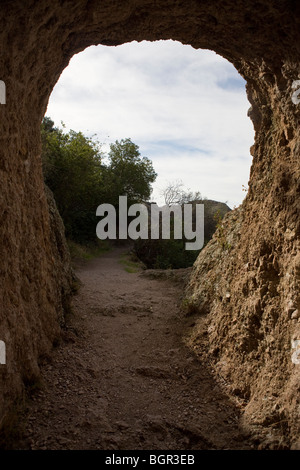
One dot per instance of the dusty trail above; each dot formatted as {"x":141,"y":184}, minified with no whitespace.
{"x":123,"y":377}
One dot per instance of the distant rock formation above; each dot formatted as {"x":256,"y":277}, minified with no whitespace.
{"x":165,"y":253}
{"x":214,"y":211}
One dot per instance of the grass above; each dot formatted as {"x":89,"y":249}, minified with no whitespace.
{"x":87,"y":252}
{"x":189,"y":306}
{"x":131,"y":265}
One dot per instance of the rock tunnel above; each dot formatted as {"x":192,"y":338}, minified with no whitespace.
{"x":248,"y":285}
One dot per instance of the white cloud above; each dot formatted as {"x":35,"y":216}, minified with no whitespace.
{"x":185,"y":108}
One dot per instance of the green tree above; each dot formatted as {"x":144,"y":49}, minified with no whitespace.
{"x":128,"y":174}
{"x":73,"y":170}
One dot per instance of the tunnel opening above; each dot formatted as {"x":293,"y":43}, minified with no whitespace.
{"x":187,"y":111}
{"x":251,"y":293}
{"x":185,"y":108}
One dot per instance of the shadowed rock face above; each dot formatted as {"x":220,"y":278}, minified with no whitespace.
{"x":253,"y":327}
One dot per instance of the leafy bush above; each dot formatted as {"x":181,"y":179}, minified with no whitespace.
{"x":164,"y":254}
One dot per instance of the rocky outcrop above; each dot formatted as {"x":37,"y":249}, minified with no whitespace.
{"x":37,"y":292}
{"x":214,"y":212}
{"x":261,"y":268}
{"x":248,"y":298}
{"x":64,"y":271}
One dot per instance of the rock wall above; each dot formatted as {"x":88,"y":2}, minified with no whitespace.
{"x":247,"y":280}
{"x":261,"y":269}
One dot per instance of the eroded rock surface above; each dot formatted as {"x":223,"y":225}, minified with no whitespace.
{"x":248,"y":295}
{"x":260,"y":271}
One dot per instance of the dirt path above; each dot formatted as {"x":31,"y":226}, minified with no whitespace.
{"x":123,"y":378}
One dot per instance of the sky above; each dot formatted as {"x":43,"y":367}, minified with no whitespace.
{"x":186,"y":109}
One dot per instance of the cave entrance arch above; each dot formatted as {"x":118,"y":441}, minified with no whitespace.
{"x":261,"y":39}
{"x":185,"y":108}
